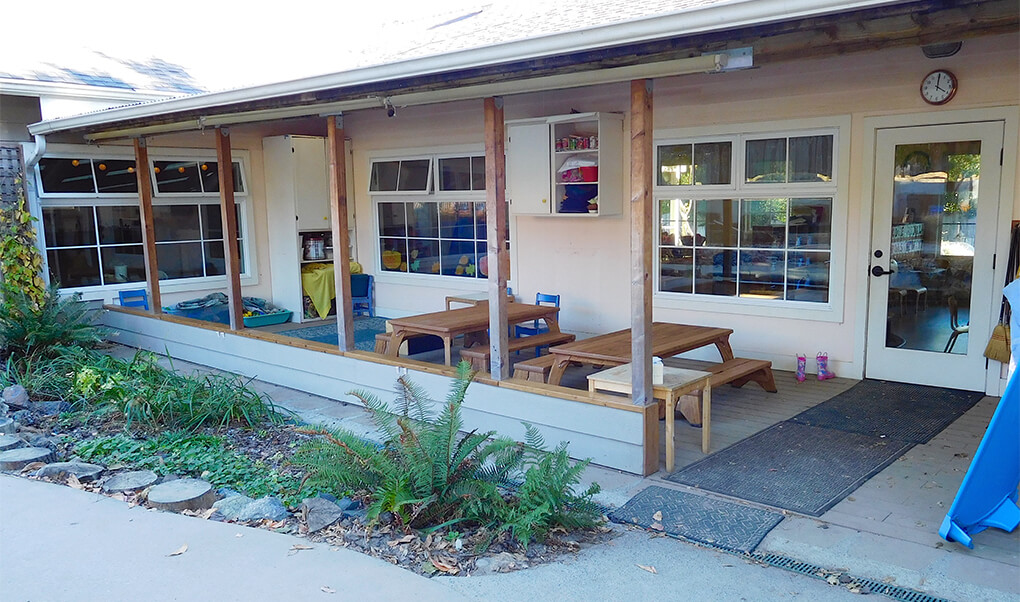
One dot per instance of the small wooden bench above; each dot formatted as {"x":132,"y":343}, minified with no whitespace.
{"x":738,"y":371}
{"x":479,"y":356}
{"x":536,"y":369}
{"x":383,"y":339}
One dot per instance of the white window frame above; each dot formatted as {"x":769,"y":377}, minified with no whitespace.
{"x":429,"y":184}
{"x":246,"y":223}
{"x":432,"y":195}
{"x":839,"y":127}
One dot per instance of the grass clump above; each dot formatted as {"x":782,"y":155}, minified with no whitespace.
{"x":33,"y":329}
{"x":428,"y":474}
{"x":189,"y":454}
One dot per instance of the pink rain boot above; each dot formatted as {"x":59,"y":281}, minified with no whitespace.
{"x":823,"y":366}
{"x":801,"y":368}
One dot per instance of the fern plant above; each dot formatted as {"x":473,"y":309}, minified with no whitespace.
{"x":30,"y":329}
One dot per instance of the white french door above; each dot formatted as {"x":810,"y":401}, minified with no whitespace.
{"x":936,"y":201}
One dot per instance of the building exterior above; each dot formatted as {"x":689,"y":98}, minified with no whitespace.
{"x":793,"y":152}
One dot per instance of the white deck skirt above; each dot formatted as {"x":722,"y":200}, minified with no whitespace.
{"x":610,"y":437}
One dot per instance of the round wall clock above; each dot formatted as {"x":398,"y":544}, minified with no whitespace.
{"x":939,"y":87}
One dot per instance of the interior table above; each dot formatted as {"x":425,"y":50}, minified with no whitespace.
{"x":452,"y":323}
{"x":472,"y":298}
{"x":677,"y":384}
{"x":613,"y":349}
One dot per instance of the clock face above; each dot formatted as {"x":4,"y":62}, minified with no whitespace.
{"x":938,"y":87}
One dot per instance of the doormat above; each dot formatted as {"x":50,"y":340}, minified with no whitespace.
{"x":365,"y":329}
{"x":900,"y":411}
{"x":717,"y":523}
{"x":806,"y":469}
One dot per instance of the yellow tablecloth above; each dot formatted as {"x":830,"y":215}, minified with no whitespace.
{"x":318,"y":283}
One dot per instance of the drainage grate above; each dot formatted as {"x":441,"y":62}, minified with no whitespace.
{"x":876,"y":587}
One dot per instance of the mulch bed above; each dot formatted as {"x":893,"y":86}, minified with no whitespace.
{"x":454,"y":551}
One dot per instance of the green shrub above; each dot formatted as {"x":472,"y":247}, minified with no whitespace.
{"x":188,"y":454}
{"x":20,"y":261}
{"x":32,"y":330}
{"x":429,"y":474}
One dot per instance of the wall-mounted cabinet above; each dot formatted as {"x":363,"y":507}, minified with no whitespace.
{"x":297,"y":200}
{"x":565,"y":165}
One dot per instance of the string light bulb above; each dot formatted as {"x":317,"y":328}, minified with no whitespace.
{"x":102,"y":167}
{"x":180,"y":169}
{"x":74,"y":162}
{"x":205,"y":167}
{"x":155,"y":169}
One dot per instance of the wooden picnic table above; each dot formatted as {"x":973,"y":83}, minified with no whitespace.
{"x":465,"y":321}
{"x":613,"y":349}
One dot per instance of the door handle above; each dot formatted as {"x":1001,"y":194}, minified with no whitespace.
{"x":878,"y":271}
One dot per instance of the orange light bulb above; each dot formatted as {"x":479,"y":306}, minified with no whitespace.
{"x":180,"y":169}
{"x":205,"y":167}
{"x":74,"y":162}
{"x":131,"y":170}
{"x":155,"y":169}
{"x":102,"y":167}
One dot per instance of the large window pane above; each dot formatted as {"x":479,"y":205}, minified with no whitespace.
{"x":675,"y":165}
{"x":717,"y":223}
{"x":391,"y":219}
{"x":766,"y":160}
{"x":215,"y":264}
{"x":422,"y":220}
{"x":424,"y":257}
{"x":456,"y":220}
{"x":177,"y":176}
{"x":119,"y":225}
{"x":210,"y":174}
{"x":455,"y":173}
{"x":176,"y":222}
{"x":179,"y":260}
{"x":762,"y":274}
{"x":811,"y":159}
{"x":676,"y":270}
{"x":712,"y":163}
{"x":69,"y":226}
{"x":72,"y":268}
{"x":212,"y":222}
{"x":123,"y":264}
{"x":414,"y":175}
{"x":66,"y":175}
{"x":384,"y":176}
{"x":808,"y":277}
{"x":394,"y":254}
{"x":716,"y":271}
{"x":763,"y":223}
{"x":676,"y":222}
{"x":116,"y":175}
{"x":480,"y":223}
{"x":458,"y":257}
{"x":810,"y":223}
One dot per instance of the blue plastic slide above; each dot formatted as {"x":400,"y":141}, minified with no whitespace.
{"x":988,"y":494}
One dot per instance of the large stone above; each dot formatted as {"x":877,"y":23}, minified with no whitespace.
{"x":503,"y":562}
{"x":7,"y":426}
{"x":182,"y":494}
{"x":16,"y":459}
{"x":16,"y":395}
{"x":50,"y":408}
{"x":82,"y":471}
{"x":10,"y":442}
{"x":134,"y":480}
{"x":320,"y":513}
{"x":266,"y":508}
{"x":38,"y":440}
{"x":232,"y":506}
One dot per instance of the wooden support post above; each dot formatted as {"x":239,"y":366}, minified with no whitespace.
{"x":496,"y":228}
{"x":228,"y":212}
{"x":341,"y":236}
{"x":641,"y":240}
{"x":148,"y":229}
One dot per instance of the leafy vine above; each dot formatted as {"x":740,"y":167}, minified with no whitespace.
{"x":20,"y":261}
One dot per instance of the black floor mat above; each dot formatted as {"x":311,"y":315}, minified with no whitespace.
{"x":901,"y":411}
{"x":711,"y":521}
{"x":803,"y":468}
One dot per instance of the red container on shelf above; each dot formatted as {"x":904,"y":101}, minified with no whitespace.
{"x":589,"y":174}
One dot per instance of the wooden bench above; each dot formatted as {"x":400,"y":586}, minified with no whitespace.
{"x":479,"y":356}
{"x":738,"y":371}
{"x":536,"y":369}
{"x":383,"y":339}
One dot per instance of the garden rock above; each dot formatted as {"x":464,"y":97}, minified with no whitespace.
{"x":7,"y":426}
{"x":4,"y":409}
{"x":320,"y":513}
{"x":182,"y":494}
{"x":50,"y":408}
{"x":16,"y":395}
{"x":500,"y":563}
{"x":22,"y":417}
{"x":82,"y":471}
{"x":16,"y":459}
{"x":264,"y":508}
{"x":346,"y":504}
{"x":328,"y":497}
{"x":10,"y":442}
{"x":359,"y":514}
{"x":134,"y":480}
{"x":226,"y":492}
{"x":232,"y":506}
{"x":37,"y":440}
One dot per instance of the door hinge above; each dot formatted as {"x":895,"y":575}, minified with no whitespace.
{"x":1002,"y":152}
{"x":994,"y":255}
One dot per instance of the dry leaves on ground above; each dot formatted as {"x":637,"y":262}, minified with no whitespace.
{"x":658,"y":515}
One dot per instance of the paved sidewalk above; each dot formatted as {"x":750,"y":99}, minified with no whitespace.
{"x":59,"y":543}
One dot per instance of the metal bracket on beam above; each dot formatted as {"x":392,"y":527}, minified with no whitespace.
{"x":735,"y":58}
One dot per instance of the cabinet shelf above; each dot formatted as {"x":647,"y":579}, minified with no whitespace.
{"x":586,"y":151}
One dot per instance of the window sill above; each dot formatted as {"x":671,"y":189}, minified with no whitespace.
{"x":796,"y":310}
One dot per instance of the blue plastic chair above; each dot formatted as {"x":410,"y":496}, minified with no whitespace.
{"x":363,"y":294}
{"x":134,"y":298}
{"x":537,"y":327}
